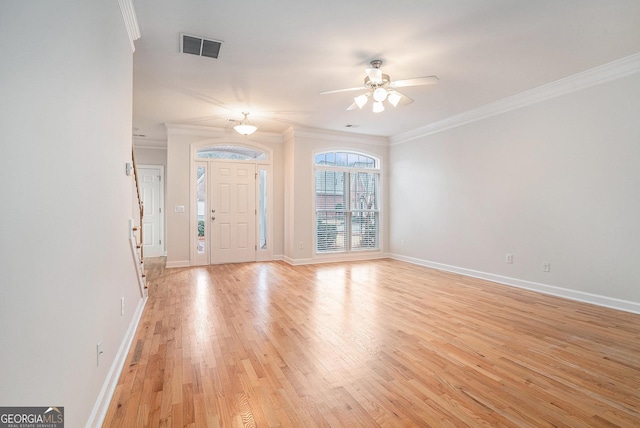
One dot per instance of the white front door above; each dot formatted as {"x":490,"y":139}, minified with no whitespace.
{"x":149,"y":179}
{"x":233,"y":212}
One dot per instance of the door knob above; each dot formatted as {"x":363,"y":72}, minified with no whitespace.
{"x":212,"y":218}
{"x":213,"y":211}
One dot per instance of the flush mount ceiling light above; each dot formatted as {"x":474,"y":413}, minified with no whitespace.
{"x":380,"y":87}
{"x":244,"y":127}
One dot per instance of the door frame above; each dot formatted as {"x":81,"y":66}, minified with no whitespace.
{"x":267,"y":164}
{"x":160,"y":203}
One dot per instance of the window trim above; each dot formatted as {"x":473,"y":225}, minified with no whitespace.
{"x":348,"y":210}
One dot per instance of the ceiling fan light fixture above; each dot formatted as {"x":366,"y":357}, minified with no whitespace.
{"x":380,"y":94}
{"x":394,"y":98}
{"x":378,"y":107}
{"x":361,"y":100}
{"x":245,"y":128}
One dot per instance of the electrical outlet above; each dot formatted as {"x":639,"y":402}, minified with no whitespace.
{"x":99,"y":352}
{"x":509,"y":258}
{"x":301,"y":245}
{"x":546,"y":267}
{"x":121,"y":306}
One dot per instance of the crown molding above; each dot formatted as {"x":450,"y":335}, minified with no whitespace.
{"x":226,"y":133}
{"x":337,"y":136}
{"x":130,"y":21}
{"x":274,"y":137}
{"x":198,"y":130}
{"x":623,"y":67}
{"x":148,"y":143}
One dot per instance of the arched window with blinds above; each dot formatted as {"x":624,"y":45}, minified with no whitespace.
{"x":347,"y":188}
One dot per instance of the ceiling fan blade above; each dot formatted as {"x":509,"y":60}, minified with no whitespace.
{"x":417,"y":81}
{"x":335,"y":91}
{"x":405,"y":100}
{"x":397,"y":98}
{"x":374,"y":74}
{"x":352,"y":106}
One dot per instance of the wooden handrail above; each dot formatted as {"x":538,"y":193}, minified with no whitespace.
{"x":135,"y":176}
{"x":139,"y":228}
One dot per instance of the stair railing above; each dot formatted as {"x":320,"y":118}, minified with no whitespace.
{"x":137,"y":232}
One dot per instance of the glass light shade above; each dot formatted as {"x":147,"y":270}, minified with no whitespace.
{"x":361,"y":100}
{"x":380,"y":94}
{"x":394,"y":98}
{"x":245,"y":129}
{"x":378,"y":107}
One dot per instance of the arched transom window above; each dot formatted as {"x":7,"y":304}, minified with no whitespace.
{"x":230,"y":152}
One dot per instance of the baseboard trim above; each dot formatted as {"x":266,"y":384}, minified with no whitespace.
{"x":594,"y":299}
{"x":298,"y":262}
{"x":108,"y":388}
{"x":336,"y":258}
{"x":178,"y":264}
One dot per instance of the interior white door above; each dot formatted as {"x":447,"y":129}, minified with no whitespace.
{"x":150,"y":182}
{"x":233,"y":212}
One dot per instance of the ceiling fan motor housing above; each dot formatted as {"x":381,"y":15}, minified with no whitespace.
{"x":373,"y":85}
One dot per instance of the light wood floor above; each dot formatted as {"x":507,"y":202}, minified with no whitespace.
{"x":371,"y":343}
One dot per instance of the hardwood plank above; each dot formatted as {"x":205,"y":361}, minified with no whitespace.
{"x":374,"y":343}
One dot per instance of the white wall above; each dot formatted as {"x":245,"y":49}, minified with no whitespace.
{"x":289,"y":187}
{"x":65,"y":115}
{"x":557,"y":181}
{"x":151,"y":155}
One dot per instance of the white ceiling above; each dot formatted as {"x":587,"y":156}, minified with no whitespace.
{"x":277,"y":57}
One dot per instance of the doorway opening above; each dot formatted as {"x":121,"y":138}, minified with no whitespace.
{"x":151,"y":181}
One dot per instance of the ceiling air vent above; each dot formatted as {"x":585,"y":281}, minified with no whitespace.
{"x":199,"y":46}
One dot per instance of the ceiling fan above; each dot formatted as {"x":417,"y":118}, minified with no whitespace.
{"x":379,"y":86}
